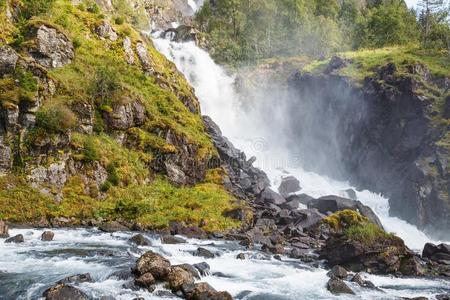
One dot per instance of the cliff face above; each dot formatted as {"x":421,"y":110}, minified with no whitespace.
{"x":388,"y":133}
{"x":96,"y":124}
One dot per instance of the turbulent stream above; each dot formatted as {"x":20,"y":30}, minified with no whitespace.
{"x":27,"y":269}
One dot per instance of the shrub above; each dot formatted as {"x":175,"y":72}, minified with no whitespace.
{"x":90,"y":152}
{"x":57,"y":118}
{"x":32,"y":8}
{"x":119,"y":20}
{"x":104,"y":85}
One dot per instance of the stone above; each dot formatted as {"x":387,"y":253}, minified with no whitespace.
{"x":125,"y":116}
{"x":79,"y":278}
{"x":309,"y":218}
{"x":337,"y":287}
{"x":288,"y":186}
{"x":436,"y":252}
{"x":443,"y":297}
{"x":335,"y":63}
{"x":129,"y":53}
{"x":170,"y":239}
{"x":203,"y":252}
{"x":8,"y":59}
{"x":338,"y":272}
{"x":179,"y":277}
{"x":15,"y":239}
{"x":106,"y":31}
{"x":358,"y":278}
{"x":53,"y":48}
{"x":140,"y":240}
{"x":351,"y":194}
{"x":112,"y":226}
{"x":144,"y":58}
{"x":64,"y":292}
{"x":146,"y":281}
{"x":4,"y":230}
{"x":47,"y":236}
{"x":191,"y":269}
{"x":203,"y":268}
{"x":107,"y":298}
{"x":203,"y":290}
{"x":241,"y":256}
{"x":153,"y":263}
{"x":269,"y":196}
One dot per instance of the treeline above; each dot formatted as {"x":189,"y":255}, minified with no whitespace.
{"x":247,"y":30}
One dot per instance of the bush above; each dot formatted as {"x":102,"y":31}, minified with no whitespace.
{"x":32,"y":8}
{"x":119,"y":20}
{"x":104,"y":85}
{"x":90,"y":153}
{"x":57,"y":118}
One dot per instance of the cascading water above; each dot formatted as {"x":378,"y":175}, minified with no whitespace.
{"x":249,"y":131}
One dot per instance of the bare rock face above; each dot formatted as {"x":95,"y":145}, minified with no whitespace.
{"x":129,"y":54}
{"x":64,"y":292}
{"x":144,"y":58}
{"x":4,"y":233}
{"x":106,"y":31}
{"x":8,"y":59}
{"x":5,"y":157}
{"x":53,"y":48}
{"x":153,"y":263}
{"x":126,"y":116}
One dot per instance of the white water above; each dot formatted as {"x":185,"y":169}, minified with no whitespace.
{"x":249,"y":132}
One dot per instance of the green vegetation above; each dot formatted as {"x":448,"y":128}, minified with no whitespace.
{"x":242,"y":31}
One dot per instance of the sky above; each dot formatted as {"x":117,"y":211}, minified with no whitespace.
{"x":411,"y":3}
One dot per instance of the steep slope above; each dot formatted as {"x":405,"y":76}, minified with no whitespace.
{"x":96,"y":124}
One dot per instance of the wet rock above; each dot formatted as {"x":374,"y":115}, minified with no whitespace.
{"x":332,"y":204}
{"x":179,"y":277}
{"x":170,"y":239}
{"x":443,"y":297}
{"x":121,"y":274}
{"x":182,"y":33}
{"x":203,"y":290}
{"x":165,"y":294}
{"x":289,"y":185}
{"x":203,"y":252}
{"x":64,"y":292}
{"x":4,"y":230}
{"x":309,"y":218}
{"x":79,"y":278}
{"x":269,"y":196}
{"x":203,"y":268}
{"x":152,"y":263}
{"x":337,"y":287}
{"x":15,"y":239}
{"x":436,"y":252}
{"x":335,"y":63}
{"x":107,"y":298}
{"x":146,"y":281}
{"x":241,"y":256}
{"x":193,"y":232}
{"x":358,"y":278}
{"x":106,"y":31}
{"x":140,"y":240}
{"x":47,"y":236}
{"x":338,"y":272}
{"x":8,"y":59}
{"x":112,"y":227}
{"x":53,"y":48}
{"x":191,"y":269}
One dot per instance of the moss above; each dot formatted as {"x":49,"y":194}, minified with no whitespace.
{"x":345,"y":218}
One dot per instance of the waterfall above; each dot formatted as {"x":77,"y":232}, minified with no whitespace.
{"x":248,"y":130}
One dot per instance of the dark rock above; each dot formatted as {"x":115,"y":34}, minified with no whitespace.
{"x":165,"y":294}
{"x":204,"y":253}
{"x":447,"y":108}
{"x":79,"y":278}
{"x":125,"y":116}
{"x":337,"y":287}
{"x":335,"y":63}
{"x":363,"y":283}
{"x":204,"y":291}
{"x":309,"y":218}
{"x":121,"y":274}
{"x":64,"y":292}
{"x":241,"y":256}
{"x":140,"y":240}
{"x":291,"y":204}
{"x":338,"y":272}
{"x":191,"y":269}
{"x":47,"y":236}
{"x":170,"y":239}
{"x":146,"y":281}
{"x":107,"y":298}
{"x":53,"y":49}
{"x":289,"y":185}
{"x":152,"y":263}
{"x":239,"y":213}
{"x":182,"y":33}
{"x":179,"y":277}
{"x":269,"y":196}
{"x":334,"y":203}
{"x":436,"y":252}
{"x":15,"y":239}
{"x":302,"y":198}
{"x":4,"y":230}
{"x":112,"y":227}
{"x":443,"y":297}
{"x":105,"y":30}
{"x":193,"y":232}
{"x":8,"y":59}
{"x":203,"y":268}
{"x":351,"y":194}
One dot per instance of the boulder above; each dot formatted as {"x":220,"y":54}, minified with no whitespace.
{"x":203,"y":252}
{"x":112,"y":227}
{"x":182,"y":33}
{"x":179,"y":277}
{"x":443,"y":297}
{"x":47,"y":236}
{"x":53,"y":48}
{"x":269,"y":196}
{"x":332,"y":204}
{"x":8,"y":59}
{"x":309,"y":218}
{"x":358,"y":278}
{"x":191,"y":269}
{"x":140,"y":240}
{"x":64,"y":292}
{"x":335,"y":63}
{"x":170,"y":239}
{"x":436,"y":252}
{"x":153,"y":263}
{"x":15,"y":239}
{"x":146,"y":281}
{"x":289,"y":185}
{"x":106,"y":31}
{"x":203,"y":290}
{"x":203,"y":268}
{"x":125,"y":116}
{"x":4,"y":230}
{"x":338,"y":272}
{"x":144,"y":58}
{"x":79,"y":278}
{"x":241,"y":256}
{"x":192,"y":232}
{"x":337,"y":287}
{"x":351,"y":194}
